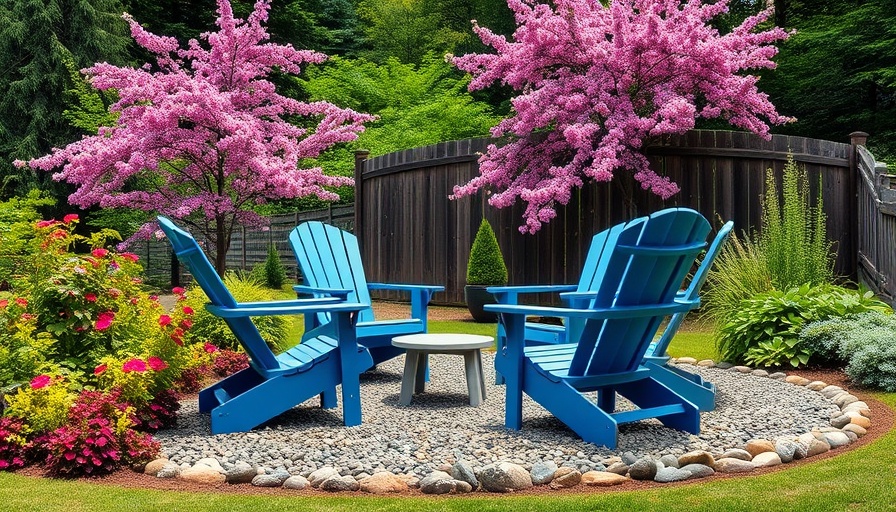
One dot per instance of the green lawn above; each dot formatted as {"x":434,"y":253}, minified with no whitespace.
{"x":861,"y":480}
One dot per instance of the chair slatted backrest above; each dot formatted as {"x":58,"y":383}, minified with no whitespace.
{"x":330,"y":258}
{"x":643,"y":263}
{"x":191,"y":255}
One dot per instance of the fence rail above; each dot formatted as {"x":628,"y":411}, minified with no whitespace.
{"x":410,"y":232}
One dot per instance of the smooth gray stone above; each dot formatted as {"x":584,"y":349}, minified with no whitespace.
{"x":786,"y":449}
{"x":464,"y":472}
{"x":438,"y":485}
{"x":266,"y":481}
{"x":241,"y":473}
{"x":629,"y":458}
{"x":340,"y":483}
{"x":698,"y":470}
{"x":670,"y":474}
{"x":619,"y":468}
{"x":543,"y":472}
{"x":643,"y":469}
{"x":296,"y":482}
{"x":840,"y":421}
{"x":670,"y":461}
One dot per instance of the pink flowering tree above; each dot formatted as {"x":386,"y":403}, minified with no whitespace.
{"x":202,"y":135}
{"x":596,"y":83}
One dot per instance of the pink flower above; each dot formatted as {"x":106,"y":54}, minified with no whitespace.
{"x":164,"y":320}
{"x":134,"y":300}
{"x":186,"y":323}
{"x":156,"y":364}
{"x":129,"y":256}
{"x":40,"y":381}
{"x":70,"y":217}
{"x":188,"y":310}
{"x":211,"y":349}
{"x":47,"y":223}
{"x":177,"y":290}
{"x":100,"y":369}
{"x":134,"y":365}
{"x":154,"y":298}
{"x":27,"y":316}
{"x":114,"y":293}
{"x":177,"y":336}
{"x":104,"y":320}
{"x":90,"y":297}
{"x":99,"y":252}
{"x":22,"y":302}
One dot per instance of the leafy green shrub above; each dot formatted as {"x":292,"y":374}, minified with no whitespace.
{"x":793,"y":239}
{"x":764,"y":329}
{"x":17,"y":219}
{"x":867,"y":342}
{"x":486,"y":264}
{"x":42,"y":405}
{"x":24,"y":350}
{"x":209,"y":328}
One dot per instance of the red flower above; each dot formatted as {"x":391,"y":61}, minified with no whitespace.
{"x":156,"y":364}
{"x":154,"y":298}
{"x":177,"y":336}
{"x":134,"y":365}
{"x":99,"y":252}
{"x":27,"y":316}
{"x":40,"y":381}
{"x":47,"y":223}
{"x":100,"y":369}
{"x":211,"y":349}
{"x":114,"y":293}
{"x":164,"y":320}
{"x":59,"y":233}
{"x":90,"y":297}
{"x":188,"y":310}
{"x":186,"y":323}
{"x":104,"y":320}
{"x":22,"y":302}
{"x":70,"y":217}
{"x":3,"y":303}
{"x":129,"y":256}
{"x":134,"y":300}
{"x":177,"y":290}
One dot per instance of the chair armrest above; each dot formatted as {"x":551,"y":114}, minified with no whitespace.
{"x":342,"y":293}
{"x":597,"y":313}
{"x":510,"y":294}
{"x":293,"y":307}
{"x":420,"y":296}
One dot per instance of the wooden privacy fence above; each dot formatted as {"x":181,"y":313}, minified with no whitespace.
{"x":876,"y":224}
{"x":248,"y":246}
{"x":411,"y":232}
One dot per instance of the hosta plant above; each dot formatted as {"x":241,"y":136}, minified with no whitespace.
{"x":748,"y":333}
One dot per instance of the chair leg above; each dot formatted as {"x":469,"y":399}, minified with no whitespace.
{"x":328,"y":399}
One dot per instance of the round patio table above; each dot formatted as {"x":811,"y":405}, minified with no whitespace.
{"x":419,"y":346}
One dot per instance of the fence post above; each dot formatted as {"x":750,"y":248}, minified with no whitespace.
{"x":855,"y":139}
{"x":360,"y":158}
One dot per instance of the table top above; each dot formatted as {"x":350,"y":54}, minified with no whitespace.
{"x":441,"y":341}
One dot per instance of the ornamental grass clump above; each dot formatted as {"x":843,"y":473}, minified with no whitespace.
{"x":486,"y":264}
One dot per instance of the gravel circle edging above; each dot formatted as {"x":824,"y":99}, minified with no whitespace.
{"x":441,"y":445}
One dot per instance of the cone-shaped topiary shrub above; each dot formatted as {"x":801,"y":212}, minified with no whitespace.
{"x":486,"y":264}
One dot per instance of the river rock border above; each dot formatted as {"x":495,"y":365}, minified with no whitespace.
{"x":846,"y":426}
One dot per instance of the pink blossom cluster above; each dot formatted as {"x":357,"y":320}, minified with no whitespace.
{"x":596,"y":83}
{"x":206,"y":128}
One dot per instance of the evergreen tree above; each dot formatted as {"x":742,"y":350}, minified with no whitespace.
{"x":37,"y":40}
{"x":838,"y":73}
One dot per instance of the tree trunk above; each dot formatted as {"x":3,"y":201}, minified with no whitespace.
{"x":222,"y":243}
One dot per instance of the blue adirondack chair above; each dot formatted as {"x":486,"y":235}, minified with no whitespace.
{"x":331,"y":265}
{"x":685,"y":383}
{"x":642,"y":266}
{"x":273,"y":383}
